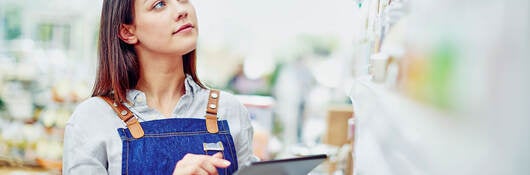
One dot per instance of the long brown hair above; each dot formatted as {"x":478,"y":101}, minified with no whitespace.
{"x":118,"y":67}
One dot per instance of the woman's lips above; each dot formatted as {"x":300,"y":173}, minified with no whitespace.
{"x":184,"y":28}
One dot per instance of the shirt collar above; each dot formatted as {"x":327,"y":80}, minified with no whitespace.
{"x":190,"y":86}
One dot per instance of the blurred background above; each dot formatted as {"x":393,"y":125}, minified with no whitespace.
{"x":381,"y":86}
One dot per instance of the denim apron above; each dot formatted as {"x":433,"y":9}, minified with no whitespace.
{"x":154,"y":147}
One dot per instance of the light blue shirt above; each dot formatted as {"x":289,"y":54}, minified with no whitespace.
{"x":92,"y":144}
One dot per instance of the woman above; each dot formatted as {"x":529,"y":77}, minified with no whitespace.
{"x":149,"y":112}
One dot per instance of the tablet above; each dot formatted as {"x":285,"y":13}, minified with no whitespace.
{"x":292,"y":166}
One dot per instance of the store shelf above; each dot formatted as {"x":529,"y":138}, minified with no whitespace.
{"x":398,"y":135}
{"x":26,"y":171}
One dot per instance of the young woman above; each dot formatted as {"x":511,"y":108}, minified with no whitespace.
{"x":149,"y":112}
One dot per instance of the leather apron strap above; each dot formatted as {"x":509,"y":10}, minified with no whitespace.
{"x":211,"y":111}
{"x":126,"y":116}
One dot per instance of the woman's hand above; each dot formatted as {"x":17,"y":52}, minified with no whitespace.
{"x":200,"y":164}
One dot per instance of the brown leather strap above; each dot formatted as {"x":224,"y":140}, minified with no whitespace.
{"x":126,"y":116}
{"x":211,"y":111}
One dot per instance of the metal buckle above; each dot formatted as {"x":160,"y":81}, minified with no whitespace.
{"x":213,"y":146}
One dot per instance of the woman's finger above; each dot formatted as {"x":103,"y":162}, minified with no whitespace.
{"x":209,"y":167}
{"x":201,"y":164}
{"x":197,"y":169}
{"x":219,"y":162}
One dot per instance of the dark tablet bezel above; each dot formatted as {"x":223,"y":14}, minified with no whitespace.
{"x":310,"y":157}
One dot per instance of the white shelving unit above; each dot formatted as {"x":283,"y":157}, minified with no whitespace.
{"x":487,"y":129}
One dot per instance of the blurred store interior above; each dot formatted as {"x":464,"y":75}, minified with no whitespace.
{"x":380,"y":86}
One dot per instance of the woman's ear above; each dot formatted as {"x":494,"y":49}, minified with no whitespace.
{"x":127,"y":35}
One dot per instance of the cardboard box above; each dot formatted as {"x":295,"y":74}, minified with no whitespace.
{"x":337,"y":133}
{"x":337,"y":125}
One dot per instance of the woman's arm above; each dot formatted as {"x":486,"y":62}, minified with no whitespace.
{"x":84,"y":149}
{"x":245,"y":136}
{"x":80,"y":156}
{"x":245,"y":152}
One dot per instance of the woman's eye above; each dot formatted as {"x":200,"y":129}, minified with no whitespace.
{"x":159,"y":5}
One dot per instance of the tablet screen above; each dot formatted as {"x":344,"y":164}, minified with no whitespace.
{"x":291,"y":166}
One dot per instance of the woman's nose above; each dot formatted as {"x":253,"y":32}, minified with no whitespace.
{"x":181,"y":12}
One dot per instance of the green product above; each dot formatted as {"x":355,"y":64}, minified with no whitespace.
{"x":442,"y":68}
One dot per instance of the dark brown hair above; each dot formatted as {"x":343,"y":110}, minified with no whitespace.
{"x":118,"y":67}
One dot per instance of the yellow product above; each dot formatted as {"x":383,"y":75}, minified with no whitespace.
{"x":414,"y":75}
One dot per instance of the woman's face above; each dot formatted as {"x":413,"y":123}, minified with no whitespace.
{"x":165,"y":26}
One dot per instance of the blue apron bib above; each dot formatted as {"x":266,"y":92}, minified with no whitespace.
{"x":165,"y":142}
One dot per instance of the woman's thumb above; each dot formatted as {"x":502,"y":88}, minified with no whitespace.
{"x":218,"y":161}
{"x":218,"y":155}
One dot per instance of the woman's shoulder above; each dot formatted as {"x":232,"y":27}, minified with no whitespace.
{"x":93,"y":110}
{"x":225,"y":97}
{"x":231,"y":109}
{"x":230,"y":105}
{"x":229,"y":98}
{"x":93,"y":124}
{"x":92,"y":104}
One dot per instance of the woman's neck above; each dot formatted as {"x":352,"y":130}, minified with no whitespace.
{"x":162,"y":81}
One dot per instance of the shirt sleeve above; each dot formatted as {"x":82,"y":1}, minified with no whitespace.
{"x":245,"y":152}
{"x":82,"y":155}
